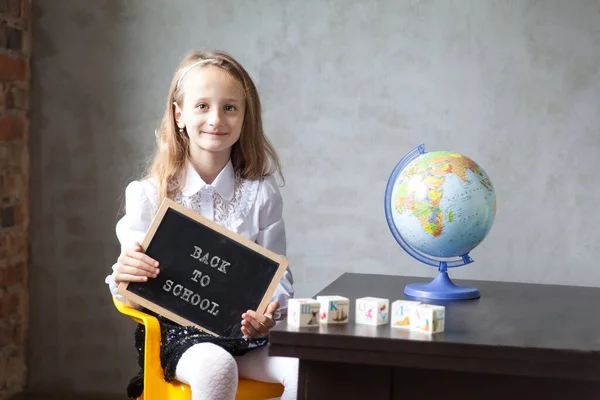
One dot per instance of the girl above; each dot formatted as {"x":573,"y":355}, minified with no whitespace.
{"x":212,"y":157}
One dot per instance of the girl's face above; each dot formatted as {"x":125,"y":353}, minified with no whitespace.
{"x":213,"y":110}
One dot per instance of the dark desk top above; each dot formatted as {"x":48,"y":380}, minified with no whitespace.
{"x":514,"y":328}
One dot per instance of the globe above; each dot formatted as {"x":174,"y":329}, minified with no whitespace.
{"x":439,"y":206}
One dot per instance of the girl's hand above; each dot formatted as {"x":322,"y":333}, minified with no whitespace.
{"x":134,"y":266}
{"x":255,"y":324}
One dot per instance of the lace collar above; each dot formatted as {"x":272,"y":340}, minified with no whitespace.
{"x":223,"y":183}
{"x":228,"y":205}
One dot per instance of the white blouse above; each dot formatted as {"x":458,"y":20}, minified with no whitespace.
{"x":252,"y":209}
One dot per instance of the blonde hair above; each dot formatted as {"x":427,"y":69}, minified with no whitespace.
{"x":252,"y":156}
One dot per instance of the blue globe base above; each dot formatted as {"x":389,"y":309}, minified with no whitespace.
{"x":441,"y":288}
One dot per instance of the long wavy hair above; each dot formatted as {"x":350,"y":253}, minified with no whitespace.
{"x":253,"y":155}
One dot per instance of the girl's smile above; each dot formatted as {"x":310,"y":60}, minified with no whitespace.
{"x":214,"y":133}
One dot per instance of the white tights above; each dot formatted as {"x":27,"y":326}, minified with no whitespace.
{"x":212,"y":372}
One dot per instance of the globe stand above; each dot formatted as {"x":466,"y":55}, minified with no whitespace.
{"x":441,"y":288}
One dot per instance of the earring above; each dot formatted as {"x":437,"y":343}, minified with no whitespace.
{"x":180,"y":130}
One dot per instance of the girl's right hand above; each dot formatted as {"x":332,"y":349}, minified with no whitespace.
{"x":134,"y":266}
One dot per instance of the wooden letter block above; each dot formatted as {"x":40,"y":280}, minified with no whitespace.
{"x":303,"y":312}
{"x":372,"y":311}
{"x":334,"y":309}
{"x":428,"y":318}
{"x":401,"y":313}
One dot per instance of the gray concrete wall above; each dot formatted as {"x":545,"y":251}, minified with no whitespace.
{"x":348,"y":88}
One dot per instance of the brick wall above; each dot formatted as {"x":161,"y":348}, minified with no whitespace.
{"x":15,"y":48}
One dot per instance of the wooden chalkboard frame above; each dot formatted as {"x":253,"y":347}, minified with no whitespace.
{"x":160,"y":214}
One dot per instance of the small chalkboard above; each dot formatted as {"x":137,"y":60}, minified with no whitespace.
{"x":208,"y":276}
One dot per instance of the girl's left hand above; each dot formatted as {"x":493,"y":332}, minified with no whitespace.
{"x":255,"y":324}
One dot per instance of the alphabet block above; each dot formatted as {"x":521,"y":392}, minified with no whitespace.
{"x":372,"y":311}
{"x":428,"y":318}
{"x":303,"y":312}
{"x":333,"y":310}
{"x":401,"y":313}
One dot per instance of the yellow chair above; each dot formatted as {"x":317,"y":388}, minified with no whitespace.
{"x":155,"y":386}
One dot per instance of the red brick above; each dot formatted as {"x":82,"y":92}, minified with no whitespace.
{"x":13,"y":245}
{"x":5,"y":159}
{"x":9,"y":101}
{"x":12,"y":68}
{"x":15,"y":39}
{"x":12,"y":127}
{"x":22,"y":244}
{"x":12,"y":7}
{"x":6,"y":334}
{"x":14,"y":216}
{"x":12,"y":188}
{"x":4,"y":195}
{"x":3,"y":245}
{"x":15,"y":361}
{"x":18,"y":245}
{"x":9,"y":304}
{"x":22,"y":166}
{"x":21,"y":214}
{"x":3,"y":35}
{"x":14,"y":158}
{"x":12,"y":274}
{"x":16,"y":7}
{"x":7,"y":217}
{"x":25,"y":9}
{"x":10,"y":37}
{"x":18,"y":336}
{"x":16,"y":155}
{"x":16,"y":98}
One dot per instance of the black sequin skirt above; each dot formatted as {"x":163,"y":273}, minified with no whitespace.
{"x":175,"y":340}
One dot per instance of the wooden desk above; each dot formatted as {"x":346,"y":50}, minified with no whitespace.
{"x":522,"y":340}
